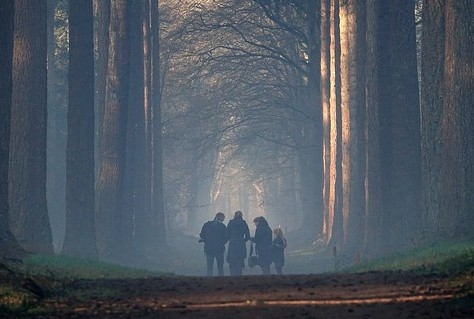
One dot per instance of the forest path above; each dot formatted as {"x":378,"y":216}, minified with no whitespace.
{"x":384,"y":295}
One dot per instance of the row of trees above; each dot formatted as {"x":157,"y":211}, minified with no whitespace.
{"x":306,"y":111}
{"x":110,"y":216}
{"x":333,"y":88}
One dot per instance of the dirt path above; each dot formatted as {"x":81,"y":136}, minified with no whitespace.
{"x":369,"y":295}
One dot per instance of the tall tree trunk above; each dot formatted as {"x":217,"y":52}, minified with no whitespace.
{"x":433,"y":43}
{"x":355,"y":232}
{"x":336,"y":128}
{"x":457,"y":132}
{"x":102,"y":16}
{"x":331,"y":173}
{"x":80,"y":213}
{"x":326,"y":110}
{"x":373,"y":240}
{"x":110,"y":190}
{"x":352,"y":123}
{"x":402,"y":156}
{"x":312,"y":154}
{"x":27,"y":178}
{"x":55,"y":186}
{"x":8,"y":244}
{"x":158,"y":206}
{"x":394,"y":116}
{"x":147,"y":91}
{"x":346,"y":69}
{"x":140,"y":177}
{"x":383,"y":107}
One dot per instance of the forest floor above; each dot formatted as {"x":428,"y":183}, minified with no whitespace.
{"x":315,"y":293}
{"x":387,"y":295}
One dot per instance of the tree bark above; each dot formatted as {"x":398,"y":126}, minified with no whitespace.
{"x":102,"y":16}
{"x":373,"y":239}
{"x":457,"y":122}
{"x":56,"y":151}
{"x":8,"y":243}
{"x":326,"y":111}
{"x":355,"y":237}
{"x":352,"y":103}
{"x":311,"y":158}
{"x":433,"y":39}
{"x":336,"y":238}
{"x":80,"y":211}
{"x":27,"y":178}
{"x":138,"y":160}
{"x":402,"y":156}
{"x":158,"y":205}
{"x":110,"y":188}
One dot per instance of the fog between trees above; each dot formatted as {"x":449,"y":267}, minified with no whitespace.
{"x":347,"y":123}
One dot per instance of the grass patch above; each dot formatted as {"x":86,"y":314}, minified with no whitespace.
{"x":24,"y":287}
{"x":67,"y":267}
{"x":441,"y":258}
{"x":453,"y":261}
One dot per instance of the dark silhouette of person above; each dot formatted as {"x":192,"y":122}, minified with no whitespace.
{"x":214,"y":236}
{"x":263,"y":244}
{"x":238,"y":234}
{"x":278,"y":248}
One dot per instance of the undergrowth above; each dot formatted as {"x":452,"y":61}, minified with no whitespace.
{"x":24,"y":286}
{"x":441,"y":258}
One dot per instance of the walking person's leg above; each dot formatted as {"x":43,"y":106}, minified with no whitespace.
{"x":220,"y":263}
{"x":239,"y":267}
{"x":265,"y":269}
{"x":209,"y":263}
{"x":235,"y":268}
{"x":279,"y":269}
{"x":232,"y":269}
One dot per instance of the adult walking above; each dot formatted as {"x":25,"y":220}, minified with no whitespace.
{"x":214,"y":236}
{"x":238,"y":234}
{"x":263,"y":244}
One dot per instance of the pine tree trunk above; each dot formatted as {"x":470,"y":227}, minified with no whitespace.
{"x":158,"y":202}
{"x":352,"y":117}
{"x":309,"y":138}
{"x":336,"y":129}
{"x":137,"y":144}
{"x":8,"y":243}
{"x":402,"y":155}
{"x":102,"y":16}
{"x":110,"y":188}
{"x":457,"y":133}
{"x":373,"y":239}
{"x":431,"y":109}
{"x":326,"y":111}
{"x":27,"y":178}
{"x":80,"y":212}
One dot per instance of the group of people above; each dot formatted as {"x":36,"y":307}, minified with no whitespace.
{"x":215,"y":235}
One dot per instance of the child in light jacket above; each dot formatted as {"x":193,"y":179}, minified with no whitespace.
{"x":278,"y":247}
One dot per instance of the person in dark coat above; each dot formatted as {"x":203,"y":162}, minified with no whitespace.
{"x":238,"y":234}
{"x":263,"y":244}
{"x":214,"y":236}
{"x":278,"y":248}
